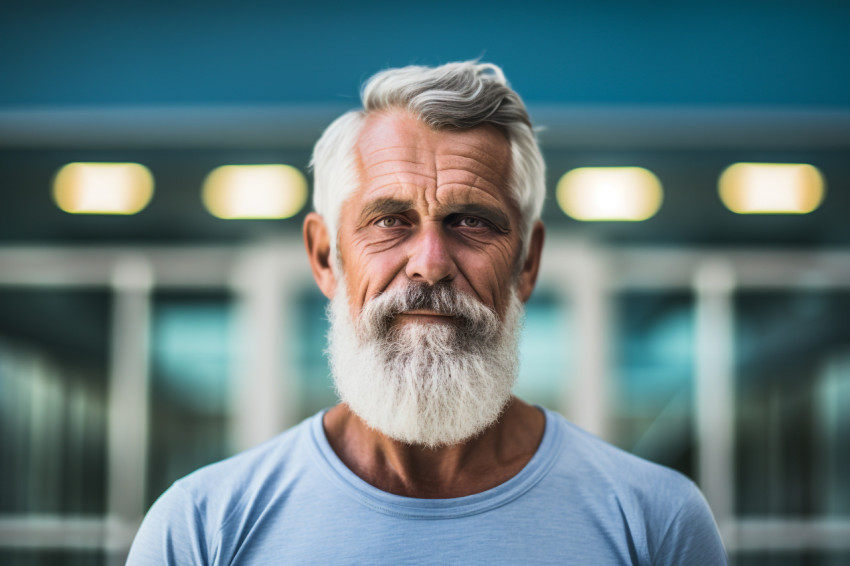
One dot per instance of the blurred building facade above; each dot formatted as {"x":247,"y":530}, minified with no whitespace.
{"x":134,"y":349}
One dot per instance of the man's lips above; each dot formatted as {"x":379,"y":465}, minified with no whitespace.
{"x":425,"y":316}
{"x":424,"y":312}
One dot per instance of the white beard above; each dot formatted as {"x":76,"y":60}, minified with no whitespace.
{"x":431,"y":384}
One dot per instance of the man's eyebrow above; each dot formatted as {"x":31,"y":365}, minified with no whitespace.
{"x":383,"y":206}
{"x":491,"y":214}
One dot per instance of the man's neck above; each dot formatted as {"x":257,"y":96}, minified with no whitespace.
{"x":479,"y":464}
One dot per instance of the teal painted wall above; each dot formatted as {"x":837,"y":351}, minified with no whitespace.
{"x":606,"y":52}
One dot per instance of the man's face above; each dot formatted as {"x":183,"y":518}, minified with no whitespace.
{"x":426,"y":312}
{"x":432,"y":207}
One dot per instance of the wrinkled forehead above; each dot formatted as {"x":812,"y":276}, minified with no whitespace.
{"x":397,"y":130}
{"x":396,"y":151}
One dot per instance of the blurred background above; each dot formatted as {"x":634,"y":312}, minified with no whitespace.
{"x":693,"y":306}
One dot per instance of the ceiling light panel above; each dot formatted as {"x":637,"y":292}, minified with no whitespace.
{"x":609,"y":194}
{"x":771,"y":188}
{"x":254,"y":191}
{"x":103,"y":188}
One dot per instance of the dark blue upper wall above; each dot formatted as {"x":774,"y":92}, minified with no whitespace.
{"x":606,"y":52}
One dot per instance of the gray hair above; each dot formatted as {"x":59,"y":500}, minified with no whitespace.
{"x":455,"y":96}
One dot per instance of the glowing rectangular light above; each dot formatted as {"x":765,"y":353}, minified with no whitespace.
{"x":103,"y":188}
{"x":254,"y":191}
{"x":609,"y":194}
{"x":771,"y":188}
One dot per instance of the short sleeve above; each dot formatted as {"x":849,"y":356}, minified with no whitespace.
{"x":171,"y":533}
{"x":692,"y":538}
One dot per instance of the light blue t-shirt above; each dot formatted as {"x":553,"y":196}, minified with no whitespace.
{"x":579,"y":501}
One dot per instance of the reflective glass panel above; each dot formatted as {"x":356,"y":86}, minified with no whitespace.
{"x":652,"y":376}
{"x":315,"y":385}
{"x":545,"y":351}
{"x":192,"y":350}
{"x":53,"y":373}
{"x":793,"y":390}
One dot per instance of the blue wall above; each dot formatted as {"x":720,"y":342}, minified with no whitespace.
{"x":606,"y":52}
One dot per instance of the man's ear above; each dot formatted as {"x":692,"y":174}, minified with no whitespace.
{"x":317,"y":242}
{"x":528,"y":273}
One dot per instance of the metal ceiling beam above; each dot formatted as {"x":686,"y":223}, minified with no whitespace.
{"x":562,"y":127}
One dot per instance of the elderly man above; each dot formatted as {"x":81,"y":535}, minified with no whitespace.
{"x":427,"y":240}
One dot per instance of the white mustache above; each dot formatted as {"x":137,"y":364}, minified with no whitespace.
{"x":474,"y":319}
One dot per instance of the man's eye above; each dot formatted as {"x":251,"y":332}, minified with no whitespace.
{"x":388,"y":222}
{"x":471,"y":222}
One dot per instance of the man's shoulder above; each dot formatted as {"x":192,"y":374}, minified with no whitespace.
{"x":658,"y":505}
{"x":246,"y":480}
{"x":608,"y":471}
{"x":190,"y":516}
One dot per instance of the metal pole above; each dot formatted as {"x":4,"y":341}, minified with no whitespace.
{"x":714,"y":394}
{"x":265,"y":397}
{"x":128,"y":404}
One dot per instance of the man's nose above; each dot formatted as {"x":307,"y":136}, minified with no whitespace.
{"x":429,"y":259}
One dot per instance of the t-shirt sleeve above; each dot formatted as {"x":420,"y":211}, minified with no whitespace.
{"x":171,"y":533}
{"x":692,"y":538}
